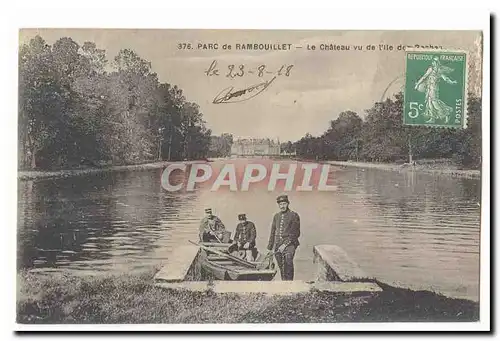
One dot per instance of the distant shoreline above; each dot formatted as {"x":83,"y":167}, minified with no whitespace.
{"x":420,"y":168}
{"x":42,"y":174}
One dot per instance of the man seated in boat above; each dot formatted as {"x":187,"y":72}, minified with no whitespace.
{"x":244,"y":238}
{"x":212,"y":229}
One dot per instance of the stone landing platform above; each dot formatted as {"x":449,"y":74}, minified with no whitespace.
{"x":335,"y":272}
{"x":272,"y":287}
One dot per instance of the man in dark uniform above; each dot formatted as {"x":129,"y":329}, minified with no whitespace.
{"x":211,"y":228}
{"x":244,"y":237}
{"x":284,"y":237}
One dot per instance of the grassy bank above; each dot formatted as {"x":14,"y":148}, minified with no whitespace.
{"x":31,"y":175}
{"x":134,"y":299}
{"x":428,"y":168}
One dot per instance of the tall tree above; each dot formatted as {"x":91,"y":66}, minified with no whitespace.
{"x":130,"y":111}
{"x":341,"y":139}
{"x":220,"y":146}
{"x":40,"y":99}
{"x":73,"y":112}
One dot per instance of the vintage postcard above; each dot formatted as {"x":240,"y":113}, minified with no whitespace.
{"x":248,"y":176}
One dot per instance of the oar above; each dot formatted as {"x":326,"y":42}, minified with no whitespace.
{"x":215,"y":235}
{"x":228,"y":256}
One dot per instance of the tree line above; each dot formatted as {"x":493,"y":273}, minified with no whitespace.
{"x":220,"y":146}
{"x":77,"y":108}
{"x":382,"y":137}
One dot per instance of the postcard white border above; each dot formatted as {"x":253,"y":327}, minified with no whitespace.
{"x":446,"y":15}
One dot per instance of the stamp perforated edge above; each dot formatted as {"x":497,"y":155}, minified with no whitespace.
{"x":466,"y":84}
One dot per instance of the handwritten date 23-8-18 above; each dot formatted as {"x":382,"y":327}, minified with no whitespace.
{"x":233,"y":71}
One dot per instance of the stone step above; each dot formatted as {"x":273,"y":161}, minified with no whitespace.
{"x":333,"y":264}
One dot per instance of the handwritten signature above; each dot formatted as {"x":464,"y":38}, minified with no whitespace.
{"x":227,"y":95}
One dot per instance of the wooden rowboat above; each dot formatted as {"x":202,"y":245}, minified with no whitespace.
{"x":221,"y":267}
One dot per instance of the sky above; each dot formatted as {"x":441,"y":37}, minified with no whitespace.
{"x":321,"y":84}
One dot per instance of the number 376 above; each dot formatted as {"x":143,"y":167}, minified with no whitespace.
{"x":415,"y":109}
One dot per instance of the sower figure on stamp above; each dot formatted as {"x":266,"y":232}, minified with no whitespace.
{"x":244,"y":238}
{"x":284,"y":237}
{"x":211,"y":228}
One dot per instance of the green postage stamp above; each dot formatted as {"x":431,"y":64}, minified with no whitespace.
{"x":436,"y":88}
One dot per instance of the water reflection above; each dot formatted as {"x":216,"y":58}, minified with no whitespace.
{"x":422,"y":231}
{"x":410,"y":229}
{"x":100,"y":223}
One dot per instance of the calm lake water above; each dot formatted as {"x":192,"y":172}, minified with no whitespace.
{"x":414,"y":230}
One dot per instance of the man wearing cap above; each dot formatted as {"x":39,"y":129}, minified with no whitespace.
{"x":284,"y":237}
{"x":244,"y":237}
{"x":211,"y":228}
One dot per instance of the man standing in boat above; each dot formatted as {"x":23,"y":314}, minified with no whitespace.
{"x":244,"y":238}
{"x":211,"y":228}
{"x":284,"y":237}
